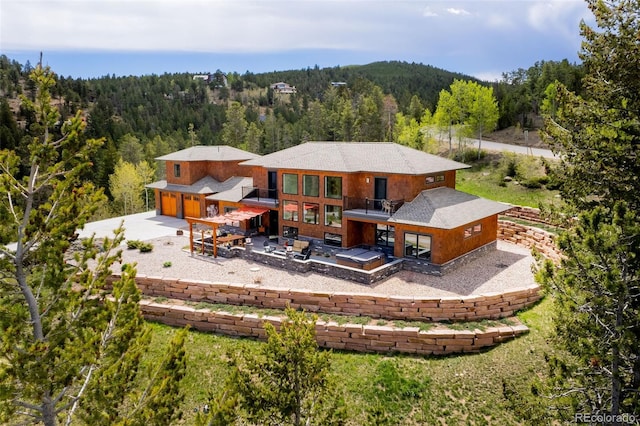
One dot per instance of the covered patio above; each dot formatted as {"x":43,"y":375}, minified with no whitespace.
{"x":210,"y":241}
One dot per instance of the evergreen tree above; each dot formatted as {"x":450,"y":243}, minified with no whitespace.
{"x":597,"y":284}
{"x":67,"y":349}
{"x":287,"y":383}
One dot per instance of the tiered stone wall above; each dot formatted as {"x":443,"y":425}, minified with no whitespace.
{"x":529,"y":237}
{"x":463,"y":308}
{"x":530,"y":214}
{"x":352,"y":337}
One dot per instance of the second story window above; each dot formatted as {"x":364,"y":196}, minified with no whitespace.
{"x":176,"y":170}
{"x":333,"y":187}
{"x":289,"y":183}
{"x":311,"y":185}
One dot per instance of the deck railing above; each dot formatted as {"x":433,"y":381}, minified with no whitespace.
{"x":372,"y":205}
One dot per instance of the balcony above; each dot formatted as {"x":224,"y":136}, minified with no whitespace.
{"x":370,"y":207}
{"x":260,"y":196}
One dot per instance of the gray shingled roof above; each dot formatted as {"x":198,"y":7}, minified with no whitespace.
{"x":446,"y":208}
{"x":206,"y":185}
{"x":231,"y":189}
{"x":348,"y":157}
{"x":209,"y":153}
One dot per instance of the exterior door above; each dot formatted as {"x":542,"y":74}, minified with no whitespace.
{"x":380,"y":191}
{"x":272,"y":178}
{"x":168,"y":204}
{"x":191,"y":205}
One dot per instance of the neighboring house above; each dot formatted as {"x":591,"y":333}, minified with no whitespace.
{"x":282,"y":87}
{"x":397,"y":199}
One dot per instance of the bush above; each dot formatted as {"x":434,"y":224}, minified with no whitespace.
{"x":145,"y":247}
{"x":133,"y":244}
{"x":167,"y":264}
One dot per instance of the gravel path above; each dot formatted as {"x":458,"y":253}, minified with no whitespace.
{"x":507,"y":268}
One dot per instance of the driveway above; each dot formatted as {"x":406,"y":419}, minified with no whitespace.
{"x":140,"y":226}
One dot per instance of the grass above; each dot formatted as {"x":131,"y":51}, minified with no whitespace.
{"x":485,"y":179}
{"x":404,"y":390}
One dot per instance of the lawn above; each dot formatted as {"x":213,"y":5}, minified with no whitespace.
{"x":486,"y":179}
{"x":404,"y":390}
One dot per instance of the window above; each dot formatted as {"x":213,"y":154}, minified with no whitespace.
{"x":333,"y":216}
{"x":473,"y":230}
{"x":311,"y":213}
{"x":417,"y":246}
{"x":311,"y":185}
{"x":290,"y":232}
{"x":290,"y":210}
{"x":176,"y":170}
{"x":433,"y":179}
{"x":289,"y":183}
{"x":333,"y":187}
{"x":385,"y":235}
{"x":331,"y":239}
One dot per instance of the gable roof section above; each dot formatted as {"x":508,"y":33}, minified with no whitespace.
{"x":349,"y":157}
{"x":209,"y":153}
{"x":231,"y":189}
{"x":206,"y":185}
{"x":446,"y":208}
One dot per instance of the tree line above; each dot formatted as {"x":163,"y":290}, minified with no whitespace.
{"x":144,"y":117}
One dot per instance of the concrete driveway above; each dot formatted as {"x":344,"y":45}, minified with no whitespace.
{"x":140,"y":226}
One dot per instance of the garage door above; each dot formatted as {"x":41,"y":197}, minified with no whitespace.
{"x":169,"y":205}
{"x":191,"y":206}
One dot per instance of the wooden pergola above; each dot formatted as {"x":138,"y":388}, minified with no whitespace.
{"x":203,"y":221}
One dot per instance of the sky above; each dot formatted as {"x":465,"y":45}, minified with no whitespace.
{"x":480,"y":38}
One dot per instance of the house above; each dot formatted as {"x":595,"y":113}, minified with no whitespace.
{"x":284,"y":88}
{"x":380,"y":195}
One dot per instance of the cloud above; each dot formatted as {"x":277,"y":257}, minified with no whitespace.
{"x":428,"y":13}
{"x":426,"y":31}
{"x":455,"y":11}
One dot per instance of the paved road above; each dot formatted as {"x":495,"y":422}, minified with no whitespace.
{"x":495,"y":146}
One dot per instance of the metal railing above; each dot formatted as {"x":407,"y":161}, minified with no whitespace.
{"x":372,"y":205}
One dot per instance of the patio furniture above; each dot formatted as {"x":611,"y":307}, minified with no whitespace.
{"x":268,"y":248}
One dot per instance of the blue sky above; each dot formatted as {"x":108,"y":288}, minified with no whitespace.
{"x":482,"y":38}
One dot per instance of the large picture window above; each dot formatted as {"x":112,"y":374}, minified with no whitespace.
{"x":290,"y":210}
{"x":331,"y":239}
{"x":385,"y":235}
{"x":311,"y":213}
{"x":289,"y":183}
{"x":290,"y":232}
{"x":333,"y":216}
{"x":333,"y":187}
{"x":417,"y":246}
{"x":311,"y":185}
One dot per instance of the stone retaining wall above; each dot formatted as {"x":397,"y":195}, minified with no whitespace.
{"x":434,"y":309}
{"x":351,"y":337}
{"x":530,"y":214}
{"x":529,"y":237}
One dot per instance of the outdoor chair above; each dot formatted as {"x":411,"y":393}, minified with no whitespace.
{"x":267,"y":247}
{"x":386,"y":206}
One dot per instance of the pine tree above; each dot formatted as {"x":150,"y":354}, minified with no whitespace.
{"x":70,"y":348}
{"x":287,"y":383}
{"x":597,"y":285}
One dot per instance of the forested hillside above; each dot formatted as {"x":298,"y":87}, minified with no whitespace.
{"x":143,"y":117}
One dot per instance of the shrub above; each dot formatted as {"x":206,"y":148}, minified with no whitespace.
{"x":133,"y":244}
{"x":167,"y":264}
{"x":145,"y":247}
